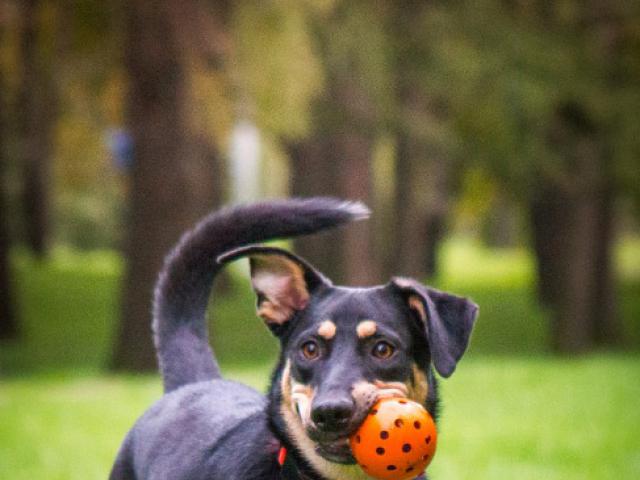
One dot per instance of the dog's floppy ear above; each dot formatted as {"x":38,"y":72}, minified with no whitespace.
{"x":448,"y":321}
{"x":282,"y":281}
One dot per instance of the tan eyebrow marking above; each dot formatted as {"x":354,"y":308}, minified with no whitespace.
{"x":327,"y":330}
{"x":366,"y":328}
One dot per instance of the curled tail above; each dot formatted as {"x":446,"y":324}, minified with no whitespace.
{"x":184,"y":285}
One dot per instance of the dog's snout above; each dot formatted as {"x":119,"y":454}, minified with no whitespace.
{"x":332,"y":414}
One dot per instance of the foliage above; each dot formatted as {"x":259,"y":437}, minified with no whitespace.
{"x":275,"y":68}
{"x":505,"y":70}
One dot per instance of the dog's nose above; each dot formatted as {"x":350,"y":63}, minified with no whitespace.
{"x":332,"y":414}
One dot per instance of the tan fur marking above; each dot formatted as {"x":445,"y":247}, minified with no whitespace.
{"x":420,"y":389}
{"x":327,"y":330}
{"x":366,"y":328}
{"x":365,"y":393}
{"x":416,"y":304}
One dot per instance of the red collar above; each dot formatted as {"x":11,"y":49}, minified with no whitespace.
{"x":282,"y":456}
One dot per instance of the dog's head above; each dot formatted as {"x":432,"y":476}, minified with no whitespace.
{"x":345,"y":348}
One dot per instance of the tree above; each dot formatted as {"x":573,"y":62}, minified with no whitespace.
{"x":336,"y":157}
{"x":169,"y":166}
{"x":36,"y":112}
{"x":8,"y":321}
{"x":550,"y":128}
{"x":423,"y":164}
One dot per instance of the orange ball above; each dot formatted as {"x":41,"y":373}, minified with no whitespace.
{"x":396,"y":441}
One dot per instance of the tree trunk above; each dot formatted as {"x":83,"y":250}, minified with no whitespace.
{"x":315,"y":172}
{"x":547,"y":213}
{"x":168,"y":169}
{"x":608,"y":331}
{"x":420,"y":206}
{"x":336,"y":158}
{"x":573,"y":231}
{"x":8,"y":321}
{"x":353,"y":151}
{"x":36,"y":107}
{"x":421,"y":167}
{"x":337,"y":163}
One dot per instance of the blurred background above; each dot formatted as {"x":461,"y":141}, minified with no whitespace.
{"x":496,"y":141}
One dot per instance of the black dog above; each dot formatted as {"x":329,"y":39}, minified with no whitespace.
{"x":341,"y":349}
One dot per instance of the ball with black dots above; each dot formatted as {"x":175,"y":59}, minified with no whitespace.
{"x":396,"y":441}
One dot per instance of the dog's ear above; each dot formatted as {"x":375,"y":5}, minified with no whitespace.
{"x":447,"y":319}
{"x":283,"y":282}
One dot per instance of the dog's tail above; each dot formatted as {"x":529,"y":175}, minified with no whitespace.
{"x":184,"y":285}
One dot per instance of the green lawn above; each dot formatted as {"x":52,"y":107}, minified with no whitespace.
{"x":512,"y":410}
{"x":504,"y":418}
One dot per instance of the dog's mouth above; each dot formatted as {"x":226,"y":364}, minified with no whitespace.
{"x":333,"y":446}
{"x":337,"y":451}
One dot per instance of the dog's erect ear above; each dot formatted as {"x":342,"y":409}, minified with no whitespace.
{"x":282,"y":281}
{"x":448,"y":321}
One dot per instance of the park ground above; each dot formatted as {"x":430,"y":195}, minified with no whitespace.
{"x":511,"y":410}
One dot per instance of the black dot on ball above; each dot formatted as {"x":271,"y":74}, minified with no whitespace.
{"x":374,"y":411}
{"x":402,"y":402}
{"x":428,"y":440}
{"x":358,"y":439}
{"x":398,"y":423}
{"x":391,"y":467}
{"x":384,"y":435}
{"x":425,"y":457}
{"x":406,"y":448}
{"x":380,"y":451}
{"x":417,"y":425}
{"x":410,"y":469}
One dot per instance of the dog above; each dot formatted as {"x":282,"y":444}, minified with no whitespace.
{"x":342,"y":349}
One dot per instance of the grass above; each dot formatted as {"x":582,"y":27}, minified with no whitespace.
{"x":504,"y":418}
{"x":511,"y":409}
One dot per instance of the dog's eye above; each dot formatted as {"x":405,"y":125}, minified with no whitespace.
{"x":310,"y":350}
{"x":383,"y":350}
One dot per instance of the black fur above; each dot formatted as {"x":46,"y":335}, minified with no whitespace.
{"x":207,"y":428}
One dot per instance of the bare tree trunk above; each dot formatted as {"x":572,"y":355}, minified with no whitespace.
{"x":336,"y":159}
{"x":422,"y":172}
{"x":547,"y":214}
{"x":408,"y":250}
{"x":337,"y":163}
{"x":36,"y":107}
{"x":353,"y":151}
{"x":573,"y":230}
{"x":8,"y":321}
{"x":421,"y":207}
{"x":168,"y":167}
{"x":315,"y":172}
{"x":608,"y":330}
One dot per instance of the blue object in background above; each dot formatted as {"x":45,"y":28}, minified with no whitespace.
{"x":120,"y":144}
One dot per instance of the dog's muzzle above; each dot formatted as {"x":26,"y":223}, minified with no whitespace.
{"x":333,"y":419}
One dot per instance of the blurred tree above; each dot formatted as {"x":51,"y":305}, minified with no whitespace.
{"x":35,"y":115}
{"x":335,"y":158}
{"x":170,"y":174}
{"x":423,"y":163}
{"x":8,"y":321}
{"x":544,"y":99}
